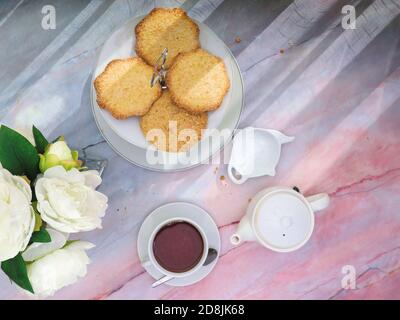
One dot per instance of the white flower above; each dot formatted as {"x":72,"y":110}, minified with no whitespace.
{"x":17,"y":218}
{"x":60,"y":149}
{"x":38,"y":250}
{"x":59,"y":268}
{"x":58,"y":153}
{"x":68,"y":201}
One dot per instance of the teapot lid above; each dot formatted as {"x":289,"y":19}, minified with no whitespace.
{"x":284,"y":220}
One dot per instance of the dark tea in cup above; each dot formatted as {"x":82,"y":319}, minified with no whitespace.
{"x":178,"y":246}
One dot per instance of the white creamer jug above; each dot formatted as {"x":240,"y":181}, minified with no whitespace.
{"x":255,"y":153}
{"x":280,"y":218}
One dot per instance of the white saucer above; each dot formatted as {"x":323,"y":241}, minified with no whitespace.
{"x":125,"y":136}
{"x":171,"y":210}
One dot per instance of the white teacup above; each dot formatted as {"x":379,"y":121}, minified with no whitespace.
{"x":280,"y":219}
{"x":153,"y":261}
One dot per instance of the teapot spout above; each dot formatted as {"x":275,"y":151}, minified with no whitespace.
{"x":243,"y":233}
{"x":282,"y":138}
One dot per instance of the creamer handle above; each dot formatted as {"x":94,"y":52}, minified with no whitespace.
{"x":235,"y":176}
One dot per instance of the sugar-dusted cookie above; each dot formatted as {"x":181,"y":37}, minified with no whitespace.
{"x":123,"y":88}
{"x":171,"y":128}
{"x":198,"y":81}
{"x":165,"y":28}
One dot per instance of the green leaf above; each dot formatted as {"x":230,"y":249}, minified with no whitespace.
{"x":15,"y":269}
{"x":38,"y":222}
{"x":17,"y":154}
{"x":33,"y":194}
{"x":38,"y":219}
{"x":41,"y":236}
{"x":40,"y":141}
{"x":59,"y":138}
{"x":75,"y":155}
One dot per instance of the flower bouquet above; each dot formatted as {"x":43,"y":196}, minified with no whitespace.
{"x":45,"y":194}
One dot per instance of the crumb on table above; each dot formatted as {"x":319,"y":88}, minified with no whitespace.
{"x":237,"y":39}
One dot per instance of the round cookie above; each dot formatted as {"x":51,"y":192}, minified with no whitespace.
{"x":179,"y":129}
{"x":123,"y":88}
{"x":198,"y":81}
{"x":165,"y":28}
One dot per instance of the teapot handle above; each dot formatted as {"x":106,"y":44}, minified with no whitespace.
{"x":235,"y":176}
{"x":318,"y":201}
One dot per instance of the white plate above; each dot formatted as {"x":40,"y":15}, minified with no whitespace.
{"x":126,"y":137}
{"x":172,"y":210}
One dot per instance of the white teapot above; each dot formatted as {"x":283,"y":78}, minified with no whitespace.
{"x":280,"y":218}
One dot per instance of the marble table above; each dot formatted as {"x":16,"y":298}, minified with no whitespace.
{"x":336,"y":90}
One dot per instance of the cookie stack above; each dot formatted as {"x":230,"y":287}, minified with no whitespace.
{"x":197,"y":81}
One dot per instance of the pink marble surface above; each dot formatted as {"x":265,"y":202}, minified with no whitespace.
{"x":337,"y":92}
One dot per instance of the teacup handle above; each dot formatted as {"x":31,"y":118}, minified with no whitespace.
{"x":235,"y":176}
{"x":318,"y":201}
